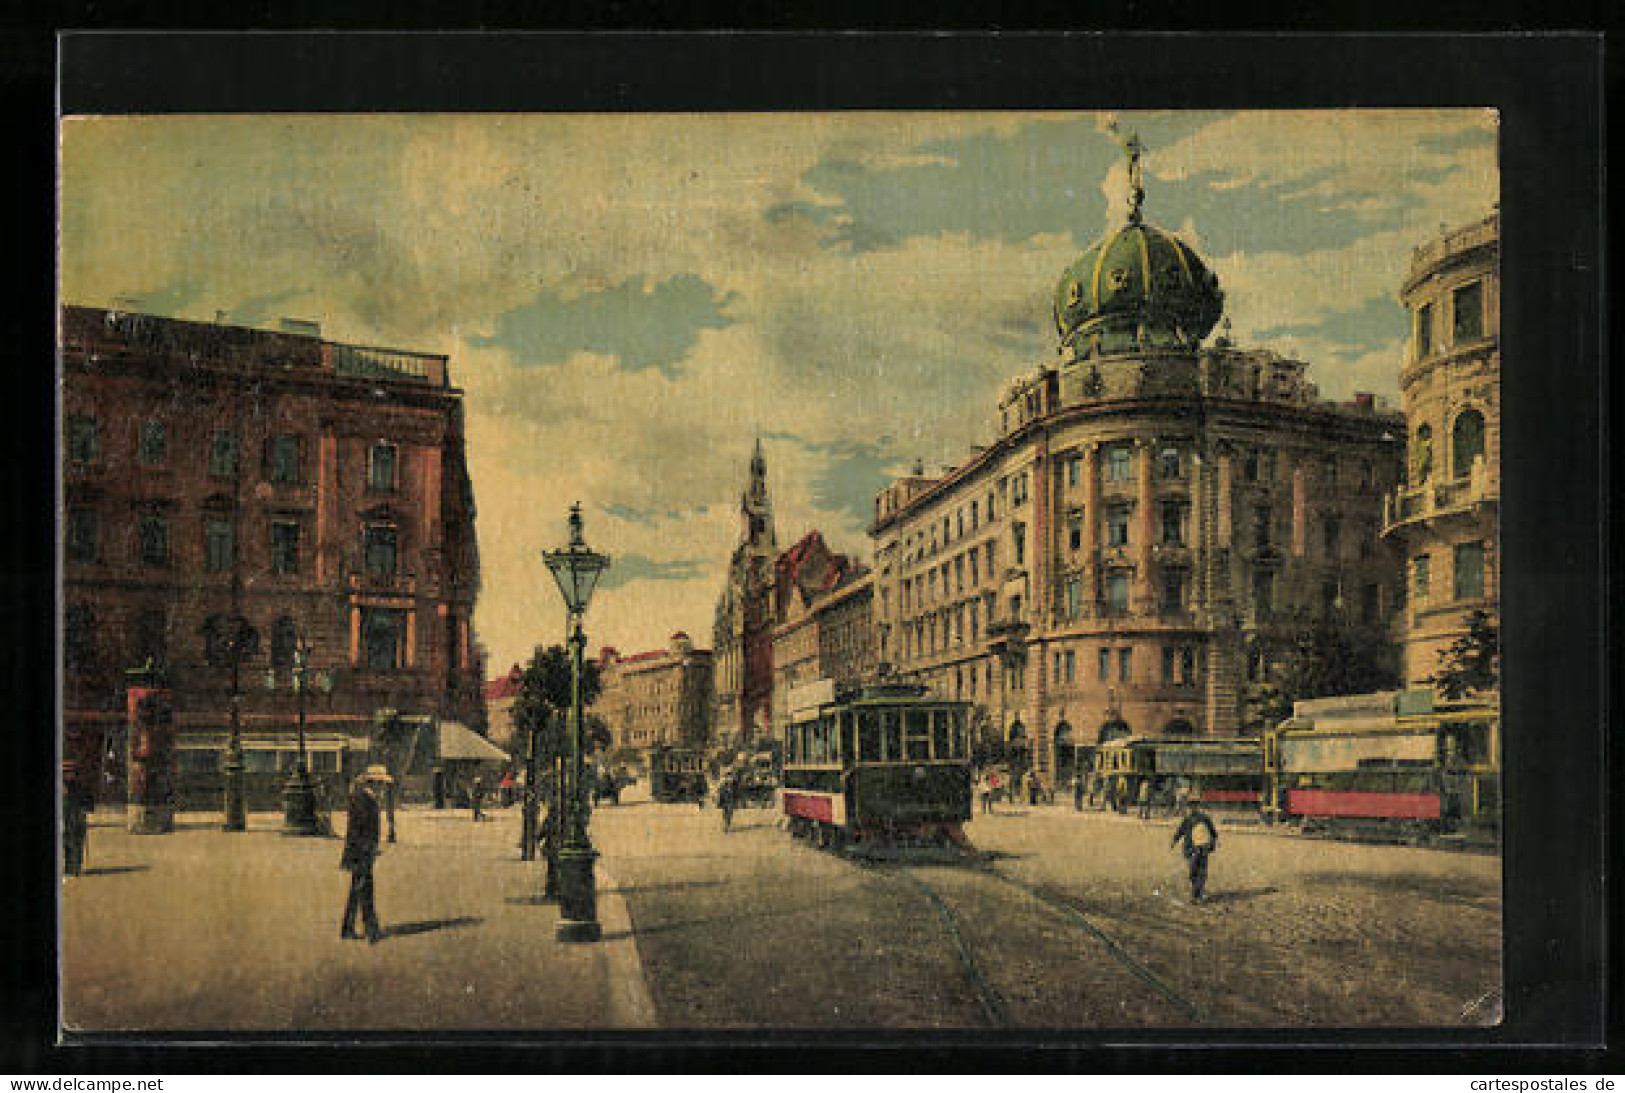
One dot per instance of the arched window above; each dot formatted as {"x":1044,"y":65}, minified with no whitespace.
{"x":1114,"y":728}
{"x":1065,"y":753}
{"x":284,"y":636}
{"x":1422,"y":455}
{"x":1466,"y":442}
{"x":1179,"y":727}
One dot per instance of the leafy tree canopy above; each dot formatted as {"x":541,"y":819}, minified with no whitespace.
{"x":543,"y":703}
{"x":1472,"y":663}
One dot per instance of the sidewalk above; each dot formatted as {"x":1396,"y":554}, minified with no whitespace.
{"x":204,"y":930}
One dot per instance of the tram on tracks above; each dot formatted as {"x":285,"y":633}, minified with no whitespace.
{"x":1224,"y":773}
{"x":676,"y":774}
{"x":1399,"y":764}
{"x":877,"y":766}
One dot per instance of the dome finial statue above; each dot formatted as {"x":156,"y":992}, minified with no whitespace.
{"x":1133,"y":149}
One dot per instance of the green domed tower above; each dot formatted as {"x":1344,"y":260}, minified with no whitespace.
{"x":1138,"y":288}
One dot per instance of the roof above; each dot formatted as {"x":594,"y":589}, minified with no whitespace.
{"x":507,"y":686}
{"x":458,"y":741}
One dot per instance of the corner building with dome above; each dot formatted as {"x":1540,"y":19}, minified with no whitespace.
{"x":1158,"y":515}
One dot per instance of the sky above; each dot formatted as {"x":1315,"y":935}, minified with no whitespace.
{"x":629,"y":301}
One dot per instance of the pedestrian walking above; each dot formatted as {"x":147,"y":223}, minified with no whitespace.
{"x":1077,"y":793}
{"x":984,"y":790}
{"x":1200,"y":839}
{"x":75,"y":821}
{"x":360,"y":851}
{"x":476,"y":795}
{"x":727,"y":791}
{"x":1144,"y":799}
{"x":993,"y":790}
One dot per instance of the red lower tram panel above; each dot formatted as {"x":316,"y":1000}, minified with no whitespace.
{"x":1388,"y":806}
{"x":809,"y":806}
{"x":1231,"y":796}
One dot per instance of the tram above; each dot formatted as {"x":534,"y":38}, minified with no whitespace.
{"x":1396,"y":763}
{"x":878,"y":765}
{"x":676,"y":774}
{"x":1224,"y":773}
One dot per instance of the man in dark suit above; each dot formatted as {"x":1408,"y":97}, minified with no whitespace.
{"x":1201,"y":838}
{"x":360,"y":850}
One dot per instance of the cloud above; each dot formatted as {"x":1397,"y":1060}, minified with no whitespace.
{"x":626,"y":568}
{"x":641,"y":324}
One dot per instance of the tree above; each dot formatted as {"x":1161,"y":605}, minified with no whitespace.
{"x":1472,"y":663}
{"x":1328,"y":657}
{"x":543,"y":703}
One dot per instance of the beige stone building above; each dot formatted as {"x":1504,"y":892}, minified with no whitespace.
{"x":1443,"y":517}
{"x":659,"y":697}
{"x":1155,"y":518}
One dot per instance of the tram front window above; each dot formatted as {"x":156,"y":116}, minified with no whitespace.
{"x":917,"y":735}
{"x":868,"y":738}
{"x":846,"y":749}
{"x":941,"y":748}
{"x":893,"y":722}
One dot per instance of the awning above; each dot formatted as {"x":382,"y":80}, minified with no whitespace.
{"x":458,"y":741}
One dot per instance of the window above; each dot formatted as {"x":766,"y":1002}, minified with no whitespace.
{"x":1250,"y":465}
{"x":1264,"y":590}
{"x":152,"y":637}
{"x":1019,"y":536}
{"x":378,"y":546}
{"x":82,"y":535}
{"x":1071,"y":666}
{"x":1331,"y":529}
{"x":974,"y":579}
{"x":972,"y":613}
{"x":152,"y":446}
{"x":1074,"y":531}
{"x":79,"y":637}
{"x":1263,"y":517}
{"x":1187,"y":665}
{"x":1074,"y":596}
{"x":284,"y":546}
{"x":1173,"y":522}
{"x":1467,"y":313}
{"x":992,"y":511}
{"x":383,"y":638}
{"x":916,"y":734}
{"x":1173,"y":590}
{"x":1018,"y":489}
{"x":197,"y":760}
{"x":974,"y":509}
{"x":1116,"y":525}
{"x":1469,"y":571}
{"x":1074,"y":470}
{"x":153,"y":532}
{"x":1015,"y":608}
{"x":83,"y":444}
{"x":1119,"y":465}
{"x":1419,"y":578}
{"x":284,"y":639}
{"x":1117,"y":590}
{"x":1055,"y":667}
{"x":892,"y":732}
{"x":1422,"y":455}
{"x":217,"y":641}
{"x":959,"y":574}
{"x":1125,"y":665}
{"x":219,"y":544}
{"x":1169,"y":464}
{"x":1423,"y":331}
{"x":282,"y":459}
{"x":223,"y":455}
{"x":1169,"y":658}
{"x":1105,"y":664}
{"x":868,"y":738}
{"x":1466,"y":442}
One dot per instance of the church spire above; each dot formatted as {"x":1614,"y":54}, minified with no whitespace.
{"x":1133,"y":149}
{"x":756,"y":507}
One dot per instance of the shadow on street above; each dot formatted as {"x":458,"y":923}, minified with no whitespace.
{"x":405,"y":929}
{"x":1239,"y":894}
{"x":669,"y":886}
{"x":106,"y":870}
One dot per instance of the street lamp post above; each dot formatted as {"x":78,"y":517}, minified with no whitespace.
{"x":576,"y":569}
{"x":299,"y":795}
{"x":241,"y":641}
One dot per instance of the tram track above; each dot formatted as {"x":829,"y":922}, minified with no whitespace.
{"x":993,"y":1006}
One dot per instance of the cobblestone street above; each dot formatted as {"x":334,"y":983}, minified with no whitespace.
{"x":1075,"y":921}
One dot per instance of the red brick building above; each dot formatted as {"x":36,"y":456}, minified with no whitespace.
{"x":319,"y":490}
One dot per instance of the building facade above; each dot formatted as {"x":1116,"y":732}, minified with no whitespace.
{"x":822,"y":621}
{"x":317,"y":490}
{"x":656,"y":698}
{"x":1443,"y":518}
{"x":1156,"y":517}
{"x":742,"y":634}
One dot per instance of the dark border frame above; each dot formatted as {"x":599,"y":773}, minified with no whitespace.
{"x":1555,"y":516}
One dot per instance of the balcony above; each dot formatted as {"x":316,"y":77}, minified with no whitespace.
{"x":1433,"y":501}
